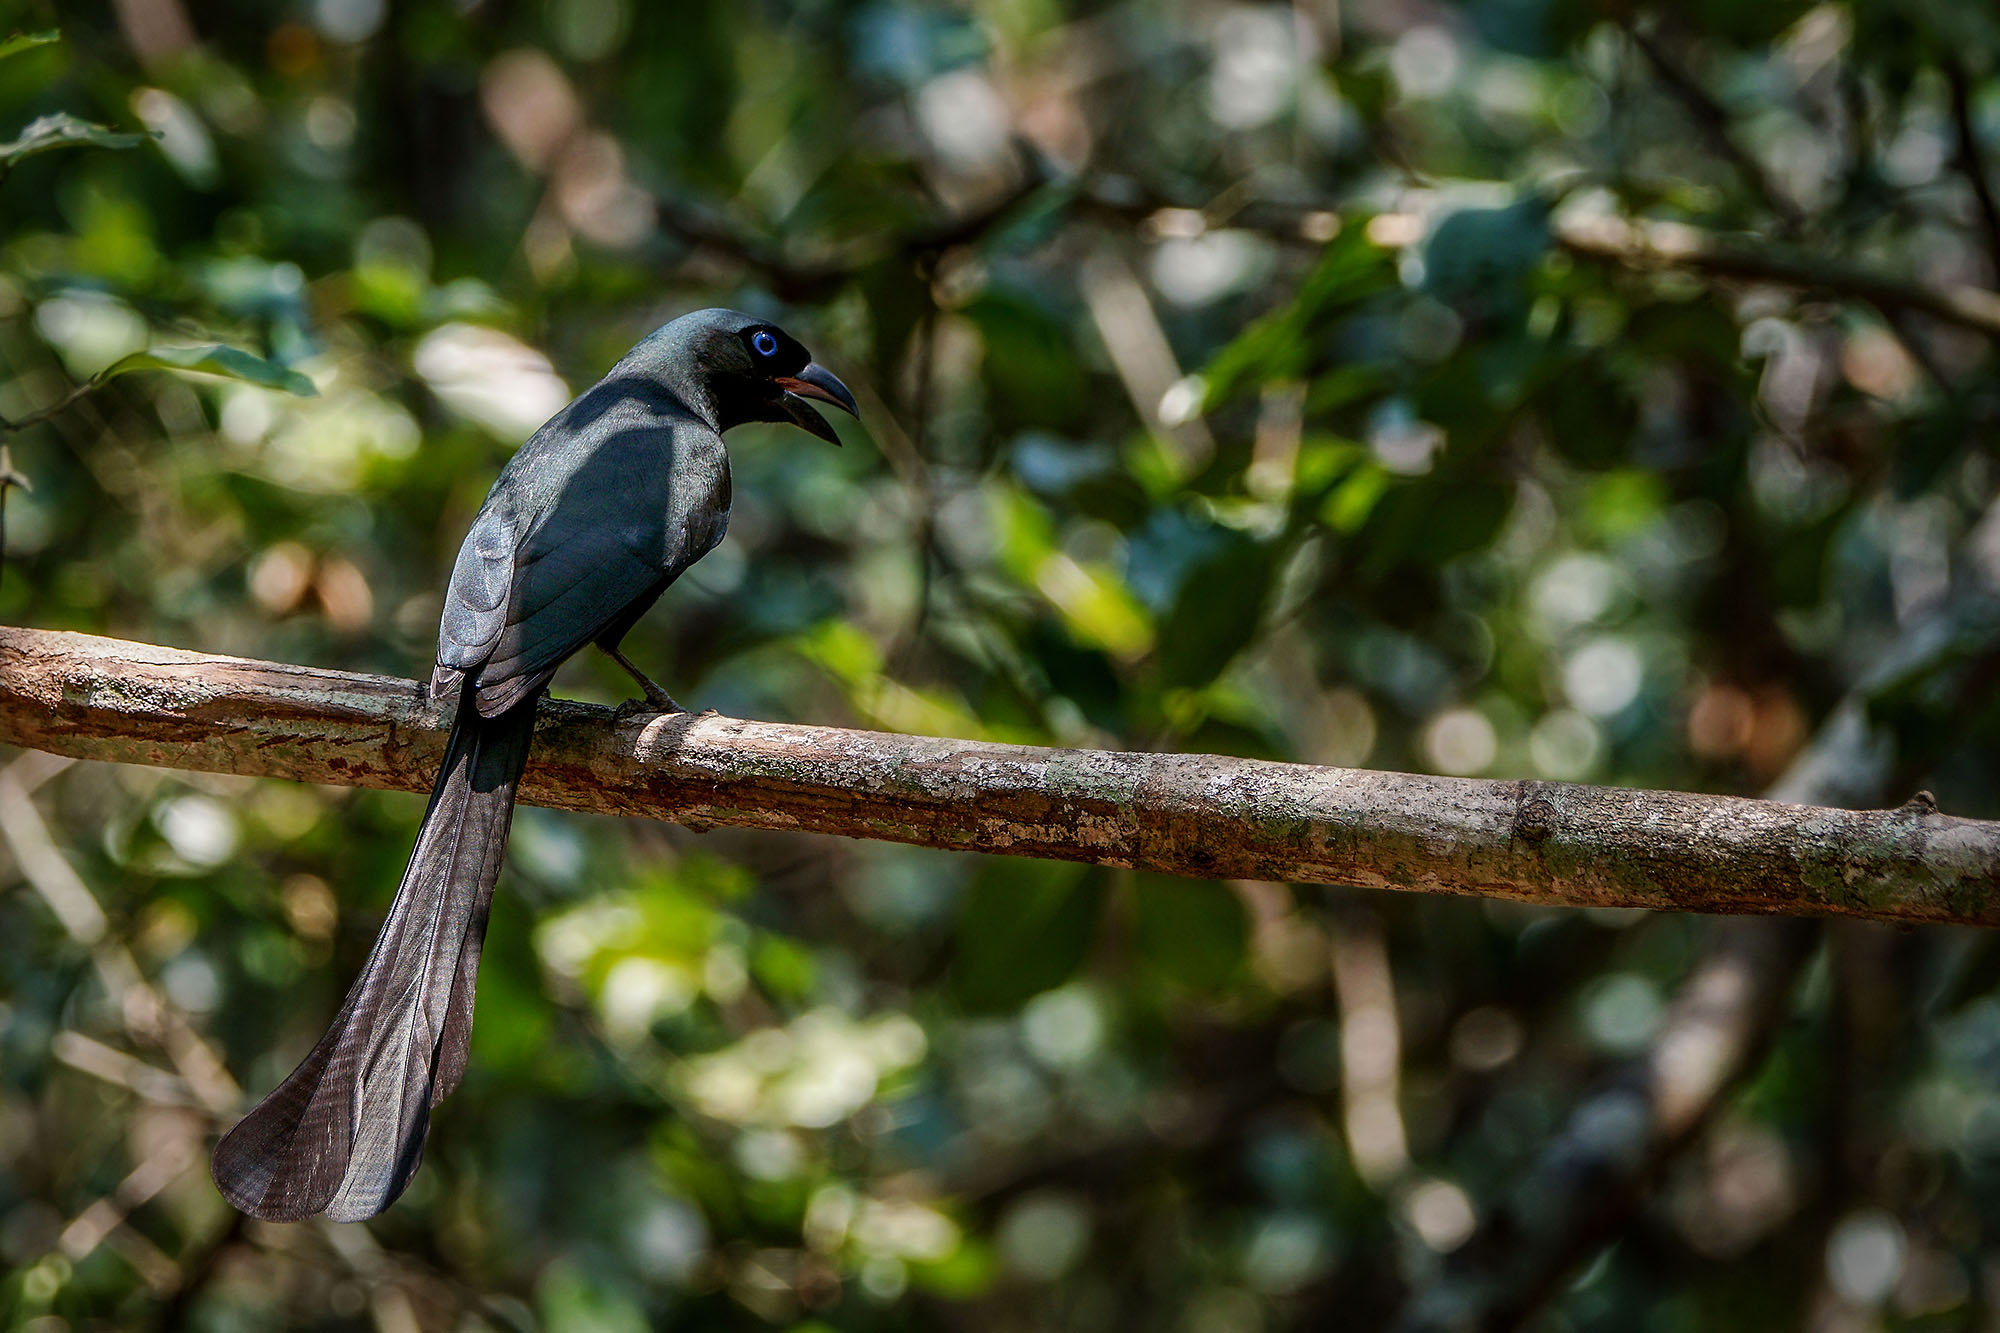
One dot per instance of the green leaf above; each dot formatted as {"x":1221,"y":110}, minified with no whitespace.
{"x":61,"y":130}
{"x":215,"y":359}
{"x":1220,"y":606}
{"x":27,"y":41}
{"x":1623,"y":503}
{"x":967,"y":1272}
{"x":783,"y":967}
{"x":1026,"y":926}
{"x":1324,"y":461}
{"x":1194,"y":930}
{"x":1350,"y":502}
{"x":1285,"y":343}
{"x":1030,"y":367}
{"x":1591,"y":415}
{"x":1434,"y":521}
{"x":1341,"y":386}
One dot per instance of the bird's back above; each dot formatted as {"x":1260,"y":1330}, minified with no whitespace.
{"x":607,"y":504}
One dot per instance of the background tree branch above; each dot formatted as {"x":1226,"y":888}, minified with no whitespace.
{"x":1674,"y":245}
{"x":1966,"y":156}
{"x":1714,"y":122}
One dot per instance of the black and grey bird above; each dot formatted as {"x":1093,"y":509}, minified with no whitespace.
{"x":606,"y":505}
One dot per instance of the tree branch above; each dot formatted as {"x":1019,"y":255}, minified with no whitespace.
{"x":1676,"y":245}
{"x":76,"y":393}
{"x":1968,"y":161}
{"x":1542,"y":842}
{"x":814,"y":279}
{"x":1713,"y":120}
{"x":1636,"y":243}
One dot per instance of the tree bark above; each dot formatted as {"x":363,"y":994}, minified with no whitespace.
{"x":1203,"y":815}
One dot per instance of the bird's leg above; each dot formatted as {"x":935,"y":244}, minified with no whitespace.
{"x":656,"y":695}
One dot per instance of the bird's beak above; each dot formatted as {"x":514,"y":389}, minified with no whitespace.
{"x":816,"y":382}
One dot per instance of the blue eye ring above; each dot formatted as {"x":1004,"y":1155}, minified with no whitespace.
{"x":763,"y":343}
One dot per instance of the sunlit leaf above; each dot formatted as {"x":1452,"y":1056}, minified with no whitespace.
{"x":59,"y":129}
{"x":215,"y":359}
{"x":968,"y":1271}
{"x":1323,"y":461}
{"x":1623,"y":503}
{"x":1350,"y":503}
{"x":1094,"y":604}
{"x":782,"y":967}
{"x":27,"y":41}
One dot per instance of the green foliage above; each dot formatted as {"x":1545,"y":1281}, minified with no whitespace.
{"x":1283,"y":345}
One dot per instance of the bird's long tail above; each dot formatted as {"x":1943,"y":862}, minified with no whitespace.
{"x":343,"y":1134}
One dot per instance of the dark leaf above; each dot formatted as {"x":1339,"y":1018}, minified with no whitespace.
{"x":1483,"y":256}
{"x":1433,"y":522}
{"x":1194,"y":930}
{"x":1030,"y":365}
{"x":1026,"y":926}
{"x":1220,"y":606}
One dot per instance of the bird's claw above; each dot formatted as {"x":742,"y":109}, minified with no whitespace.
{"x":655,"y":701}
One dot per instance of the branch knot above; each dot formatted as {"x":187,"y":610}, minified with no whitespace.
{"x":1535,"y":820}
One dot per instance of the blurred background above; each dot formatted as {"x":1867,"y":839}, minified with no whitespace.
{"x":1567,"y":389}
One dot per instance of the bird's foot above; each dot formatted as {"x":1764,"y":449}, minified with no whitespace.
{"x":656,"y":700}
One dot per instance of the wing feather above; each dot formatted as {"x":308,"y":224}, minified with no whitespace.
{"x":615,"y":524}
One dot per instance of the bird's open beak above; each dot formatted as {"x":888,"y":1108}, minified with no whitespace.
{"x":816,"y":382}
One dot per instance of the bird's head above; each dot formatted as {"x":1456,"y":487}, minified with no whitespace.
{"x":736,"y":368}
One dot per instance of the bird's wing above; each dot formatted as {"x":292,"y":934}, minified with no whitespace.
{"x":475,"y":601}
{"x":561,"y":550}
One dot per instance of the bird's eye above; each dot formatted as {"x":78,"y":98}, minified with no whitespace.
{"x":763,"y":343}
